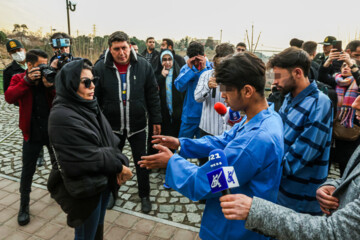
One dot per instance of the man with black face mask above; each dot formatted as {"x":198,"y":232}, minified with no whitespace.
{"x":34,"y":95}
{"x":17,"y":52}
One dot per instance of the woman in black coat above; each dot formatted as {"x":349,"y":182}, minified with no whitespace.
{"x":171,"y":100}
{"x":168,"y":70}
{"x":88,"y":163}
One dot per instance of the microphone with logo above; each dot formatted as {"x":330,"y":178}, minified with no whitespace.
{"x":222,"y":177}
{"x":230,"y":117}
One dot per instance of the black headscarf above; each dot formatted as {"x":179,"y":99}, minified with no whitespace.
{"x":67,"y":83}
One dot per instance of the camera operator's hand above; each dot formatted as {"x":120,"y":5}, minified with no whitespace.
{"x":54,"y":63}
{"x":46,"y":83}
{"x":164,"y":72}
{"x":334,"y":54}
{"x":34,"y":74}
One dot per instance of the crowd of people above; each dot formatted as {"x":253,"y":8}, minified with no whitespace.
{"x":163,"y":104}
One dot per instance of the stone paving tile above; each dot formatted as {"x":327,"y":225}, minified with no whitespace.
{"x":6,"y":214}
{"x":126,"y":220}
{"x":144,"y":226}
{"x":35,"y":224}
{"x":182,"y":234}
{"x":116,"y":233}
{"x":18,"y":236}
{"x":111,"y":216}
{"x":64,"y":234}
{"x":48,"y":231}
{"x":135,"y":236}
{"x":163,"y":231}
{"x":6,"y":231}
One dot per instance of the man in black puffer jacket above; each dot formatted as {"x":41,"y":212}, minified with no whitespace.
{"x":127,"y":92}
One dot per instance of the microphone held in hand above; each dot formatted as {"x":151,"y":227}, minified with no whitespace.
{"x":222,"y":177}
{"x":230,"y":117}
{"x":220,"y":108}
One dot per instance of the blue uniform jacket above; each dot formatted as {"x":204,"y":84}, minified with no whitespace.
{"x":254,"y":149}
{"x":187,"y":81}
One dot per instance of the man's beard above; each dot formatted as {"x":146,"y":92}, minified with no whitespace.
{"x":289,"y":88}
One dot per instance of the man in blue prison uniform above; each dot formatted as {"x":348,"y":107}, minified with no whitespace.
{"x":254,"y":147}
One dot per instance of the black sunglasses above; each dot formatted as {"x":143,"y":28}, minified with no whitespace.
{"x":87,"y":81}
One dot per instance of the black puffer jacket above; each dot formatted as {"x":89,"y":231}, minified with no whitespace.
{"x":142,"y":94}
{"x":10,"y":70}
{"x":83,"y":143}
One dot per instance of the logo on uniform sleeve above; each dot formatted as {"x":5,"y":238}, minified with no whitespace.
{"x":12,"y":44}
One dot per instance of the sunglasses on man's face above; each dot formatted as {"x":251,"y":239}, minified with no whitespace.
{"x":87,"y":81}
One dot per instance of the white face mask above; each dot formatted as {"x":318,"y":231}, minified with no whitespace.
{"x":18,"y":56}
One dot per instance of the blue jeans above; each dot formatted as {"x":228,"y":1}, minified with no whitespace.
{"x":88,"y":229}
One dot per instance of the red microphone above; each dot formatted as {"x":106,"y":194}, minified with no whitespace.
{"x":220,"y":108}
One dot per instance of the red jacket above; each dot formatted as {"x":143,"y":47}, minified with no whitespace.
{"x":20,"y":91}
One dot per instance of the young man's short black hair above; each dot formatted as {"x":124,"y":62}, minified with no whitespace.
{"x":60,"y":35}
{"x":149,"y":38}
{"x":291,"y":58}
{"x":296,"y":42}
{"x":195,"y":49}
{"x":32,"y":56}
{"x":242,"y":69}
{"x":241,"y":44}
{"x":309,"y":47}
{"x":353,"y":45}
{"x":132,"y":43}
{"x":118,"y":36}
{"x":169,"y":42}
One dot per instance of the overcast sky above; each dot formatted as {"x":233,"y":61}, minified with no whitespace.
{"x":277,"y":20}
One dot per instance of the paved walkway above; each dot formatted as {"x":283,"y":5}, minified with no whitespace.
{"x":49,"y":222}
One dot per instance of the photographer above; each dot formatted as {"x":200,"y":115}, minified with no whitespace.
{"x":60,"y":43}
{"x":35,"y":95}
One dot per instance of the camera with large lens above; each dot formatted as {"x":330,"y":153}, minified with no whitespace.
{"x":48,"y":72}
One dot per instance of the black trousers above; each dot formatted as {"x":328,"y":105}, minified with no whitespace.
{"x":30,"y":153}
{"x":138,"y":149}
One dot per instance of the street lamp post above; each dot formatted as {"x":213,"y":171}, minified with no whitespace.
{"x":72,"y":7}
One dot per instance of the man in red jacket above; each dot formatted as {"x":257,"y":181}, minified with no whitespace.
{"x":34,"y":95}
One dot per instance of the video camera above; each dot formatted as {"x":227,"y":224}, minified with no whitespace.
{"x":63,"y":58}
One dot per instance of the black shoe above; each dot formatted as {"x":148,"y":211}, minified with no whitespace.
{"x":24,"y":217}
{"x":145,"y":205}
{"x":111,"y":202}
{"x":40,"y":161}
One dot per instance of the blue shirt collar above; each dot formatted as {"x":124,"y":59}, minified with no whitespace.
{"x":256,"y":121}
{"x":303,"y":94}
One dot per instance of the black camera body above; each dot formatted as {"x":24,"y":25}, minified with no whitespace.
{"x":64,"y":58}
{"x":48,"y":72}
